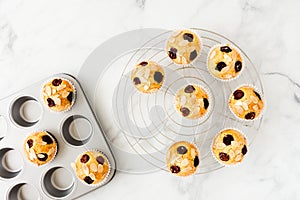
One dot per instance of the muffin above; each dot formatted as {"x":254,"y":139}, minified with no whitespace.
{"x":92,"y":167}
{"x":40,"y":148}
{"x":246,"y":103}
{"x":229,"y":147}
{"x":224,"y":62}
{"x":59,"y":94}
{"x":183,"y":46}
{"x":192,"y":102}
{"x":147,"y":77}
{"x":182,"y":158}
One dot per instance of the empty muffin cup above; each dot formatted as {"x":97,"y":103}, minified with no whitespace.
{"x":26,"y":111}
{"x":11,"y":163}
{"x":23,"y":191}
{"x":77,"y":130}
{"x":58,"y":182}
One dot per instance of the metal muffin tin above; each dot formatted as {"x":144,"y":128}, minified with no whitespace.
{"x":75,"y":130}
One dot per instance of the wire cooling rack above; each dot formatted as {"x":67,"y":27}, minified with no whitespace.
{"x":141,"y":127}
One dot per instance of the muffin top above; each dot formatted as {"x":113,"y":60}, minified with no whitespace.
{"x":224,"y":62}
{"x":182,"y":158}
{"x":229,"y":147}
{"x":183,"y":46}
{"x":40,"y":147}
{"x":147,"y":77}
{"x":59,"y":94}
{"x":246,"y":103}
{"x":92,"y":167}
{"x":192,"y":101}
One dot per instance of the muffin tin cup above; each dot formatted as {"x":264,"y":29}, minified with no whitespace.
{"x":11,"y":163}
{"x":222,"y":163}
{"x":107,"y":175}
{"x":76,"y":135}
{"x":55,"y":153}
{"x":74,"y":95}
{"x":256,"y":90}
{"x":217,"y":78}
{"x":25,"y":115}
{"x":58,"y":182}
{"x":23,"y":191}
{"x":81,"y":118}
{"x":193,"y":61}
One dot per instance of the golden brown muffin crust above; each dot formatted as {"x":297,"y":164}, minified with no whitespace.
{"x":182,"y":158}
{"x":225,"y":62}
{"x":147,"y":77}
{"x":246,"y":103}
{"x":229,"y":147}
{"x":59,"y":94}
{"x":92,"y":167}
{"x":40,"y":147}
{"x":192,"y":101}
{"x":183,"y":46}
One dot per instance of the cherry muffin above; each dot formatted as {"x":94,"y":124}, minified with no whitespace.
{"x":182,"y":158}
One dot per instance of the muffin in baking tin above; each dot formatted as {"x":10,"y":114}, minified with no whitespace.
{"x":59,"y":94}
{"x":40,"y":147}
{"x":92,"y":167}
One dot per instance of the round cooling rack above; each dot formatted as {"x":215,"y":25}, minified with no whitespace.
{"x":141,"y":127}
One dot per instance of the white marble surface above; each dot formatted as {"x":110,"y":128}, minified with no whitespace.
{"x":40,"y":38}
